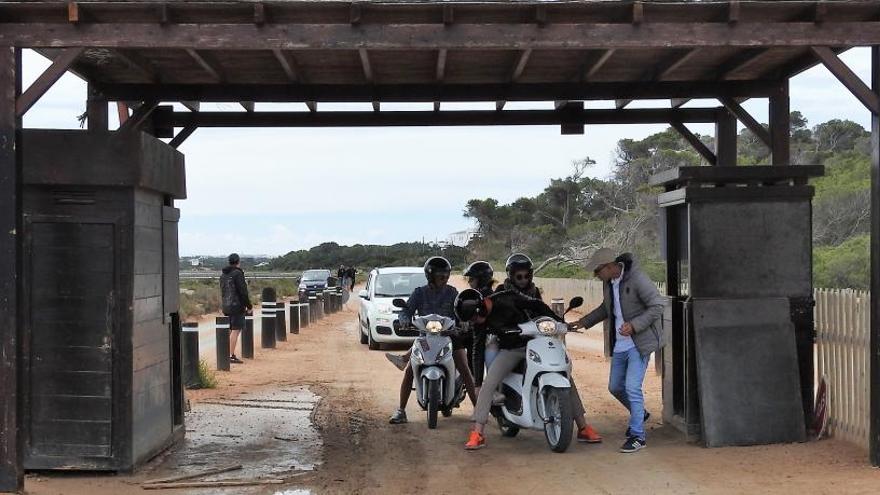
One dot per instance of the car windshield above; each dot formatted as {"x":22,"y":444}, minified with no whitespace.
{"x":316,"y":275}
{"x":398,"y":284}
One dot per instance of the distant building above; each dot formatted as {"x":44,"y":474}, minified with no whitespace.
{"x":195,"y":262}
{"x":460,"y":238}
{"x":262,"y":265}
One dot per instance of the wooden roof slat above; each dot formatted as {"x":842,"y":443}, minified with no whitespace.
{"x":205,"y":63}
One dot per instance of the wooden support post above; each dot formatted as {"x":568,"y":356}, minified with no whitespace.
{"x":874,"y":408}
{"x":746,"y":118}
{"x":122,"y":112}
{"x":694,"y":141}
{"x":182,"y":135}
{"x":96,"y":111}
{"x":725,"y":139}
{"x":49,"y":77}
{"x":780,"y":126}
{"x":11,"y":471}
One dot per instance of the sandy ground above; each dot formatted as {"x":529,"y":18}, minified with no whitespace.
{"x":364,"y":454}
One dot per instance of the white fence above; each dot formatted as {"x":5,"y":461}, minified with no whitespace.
{"x":842,"y":318}
{"x":842,"y":335}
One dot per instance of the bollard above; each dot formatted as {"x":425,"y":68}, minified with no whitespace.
{"x":294,"y":317}
{"x":221,"y":326}
{"x":304,"y":316}
{"x":339,"y":293}
{"x":326,"y":302}
{"x":267,"y":323}
{"x":558,"y":306}
{"x":280,"y":321}
{"x":190,"y":344}
{"x":247,"y":337}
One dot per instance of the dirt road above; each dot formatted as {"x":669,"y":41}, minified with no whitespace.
{"x":364,"y":454}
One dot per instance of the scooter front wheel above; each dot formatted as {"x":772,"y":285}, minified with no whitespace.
{"x":433,"y":403}
{"x":559,"y":424}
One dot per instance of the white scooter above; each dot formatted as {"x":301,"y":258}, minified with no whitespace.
{"x":438,"y":386}
{"x":536,"y":393}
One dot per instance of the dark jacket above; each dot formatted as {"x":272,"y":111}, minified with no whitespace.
{"x":531,"y":291}
{"x":480,"y":332}
{"x":641,"y":305}
{"x":509,"y":309}
{"x":234,"y":291}
{"x":426,"y":300}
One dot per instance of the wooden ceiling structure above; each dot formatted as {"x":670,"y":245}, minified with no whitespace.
{"x":145,"y":53}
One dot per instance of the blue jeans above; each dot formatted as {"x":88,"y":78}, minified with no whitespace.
{"x":625,"y":383}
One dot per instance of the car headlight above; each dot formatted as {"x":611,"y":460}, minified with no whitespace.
{"x":434,"y":327}
{"x":547,"y":327}
{"x":384,"y":308}
{"x":534,"y":356}
{"x":417,"y":355}
{"x":444,"y":352}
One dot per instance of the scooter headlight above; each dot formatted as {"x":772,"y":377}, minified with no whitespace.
{"x":434,"y":327}
{"x":547,"y":327}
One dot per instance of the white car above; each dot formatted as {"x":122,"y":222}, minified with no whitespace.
{"x":377,"y":316}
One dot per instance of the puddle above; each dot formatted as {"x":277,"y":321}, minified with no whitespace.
{"x":270,"y":434}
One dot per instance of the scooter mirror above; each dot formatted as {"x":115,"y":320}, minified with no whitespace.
{"x":575,"y":303}
{"x":398,"y":303}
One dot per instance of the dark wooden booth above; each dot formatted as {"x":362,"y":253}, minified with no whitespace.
{"x":101,"y":345}
{"x":564,"y":54}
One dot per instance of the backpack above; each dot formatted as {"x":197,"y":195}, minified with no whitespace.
{"x":229,"y":295}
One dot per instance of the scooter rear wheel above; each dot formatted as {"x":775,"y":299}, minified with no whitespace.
{"x":558,"y":431}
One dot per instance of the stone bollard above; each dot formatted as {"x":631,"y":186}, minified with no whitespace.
{"x":221,"y":326}
{"x":558,"y":306}
{"x":247,"y":338}
{"x":280,"y":321}
{"x":190,"y":344}
{"x":294,"y":317}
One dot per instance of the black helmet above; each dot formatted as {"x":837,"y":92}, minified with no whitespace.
{"x":518,"y":262}
{"x":468,"y":304}
{"x":233,"y":259}
{"x":435,"y":265}
{"x":480,"y":270}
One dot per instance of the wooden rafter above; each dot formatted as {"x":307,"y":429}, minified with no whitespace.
{"x":182,"y":136}
{"x":206,"y":64}
{"x":248,"y":106}
{"x":46,"y":80}
{"x":192,"y":106}
{"x":746,"y":118}
{"x":594,"y":64}
{"x":699,"y":146}
{"x":288,"y":64}
{"x":139,"y":64}
{"x":516,"y":72}
{"x":848,"y":78}
{"x":738,"y":62}
{"x":671,"y":64}
{"x":678,"y":102}
{"x":622,"y":103}
{"x":140,"y":115}
{"x":367,"y":67}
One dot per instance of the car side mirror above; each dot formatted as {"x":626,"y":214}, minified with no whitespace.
{"x":364,"y":294}
{"x":575,"y":303}
{"x":298,"y":279}
{"x":398,"y":303}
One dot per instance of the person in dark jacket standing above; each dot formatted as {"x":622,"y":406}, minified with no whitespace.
{"x":632,"y":309}
{"x":480,"y":277}
{"x":236,"y":302}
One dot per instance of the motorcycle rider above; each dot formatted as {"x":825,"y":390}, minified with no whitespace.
{"x":503,"y":310}
{"x":480,"y":278}
{"x":437,"y":297}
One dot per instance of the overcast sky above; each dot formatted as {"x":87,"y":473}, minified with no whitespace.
{"x":270,"y":191}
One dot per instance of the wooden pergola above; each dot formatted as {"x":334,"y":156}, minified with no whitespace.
{"x":144,"y":53}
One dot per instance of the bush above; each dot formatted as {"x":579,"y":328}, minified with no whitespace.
{"x":845,"y":266}
{"x":207,"y":377}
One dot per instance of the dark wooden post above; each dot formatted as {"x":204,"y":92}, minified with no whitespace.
{"x":725,"y":139}
{"x":874,"y":408}
{"x":222,"y":332}
{"x":280,"y":321}
{"x":295,"y":316}
{"x":780,"y":126}
{"x":96,"y":111}
{"x":11,"y":472}
{"x":267,"y":321}
{"x":190,"y":341}
{"x":247,"y":338}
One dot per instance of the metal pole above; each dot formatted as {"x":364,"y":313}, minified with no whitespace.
{"x":280,"y":322}
{"x":221,"y":327}
{"x":247,"y":338}
{"x":267,"y":324}
{"x":874,"y":430}
{"x":190,"y":343}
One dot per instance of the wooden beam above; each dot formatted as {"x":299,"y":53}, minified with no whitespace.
{"x":288,"y":64}
{"x":45,"y":81}
{"x":164,"y":13}
{"x":11,"y":234}
{"x":541,"y":15}
{"x":312,"y":105}
{"x":638,"y":13}
{"x":182,"y":136}
{"x":73,"y":12}
{"x":670,"y":65}
{"x":591,"y":67}
{"x":205,"y":63}
{"x":699,"y":146}
{"x":619,"y":104}
{"x":874,"y":339}
{"x":725,"y":139}
{"x":780,"y":126}
{"x":248,"y":106}
{"x":135,"y":61}
{"x":349,"y":93}
{"x":820,"y":13}
{"x":733,"y":11}
{"x":746,"y":118}
{"x":122,"y":112}
{"x":448,"y":15}
{"x":849,"y":79}
{"x":139,"y":116}
{"x":354,"y":15}
{"x":475,"y":36}
{"x":429,"y":118}
{"x":365,"y":64}
{"x":97,"y":117}
{"x":192,"y":106}
{"x":520,"y":65}
{"x":441,"y":64}
{"x":499,"y":105}
{"x":259,"y":14}
{"x":738,"y":62}
{"x":678,"y":102}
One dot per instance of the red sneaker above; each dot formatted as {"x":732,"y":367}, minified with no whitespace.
{"x":588,"y":435}
{"x":475,"y":441}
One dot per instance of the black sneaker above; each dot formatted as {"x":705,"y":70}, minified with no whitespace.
{"x":398,"y":418}
{"x":234,"y":359}
{"x":629,"y":433}
{"x":633,"y":444}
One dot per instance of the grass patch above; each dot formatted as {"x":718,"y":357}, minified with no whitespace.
{"x":207,"y":377}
